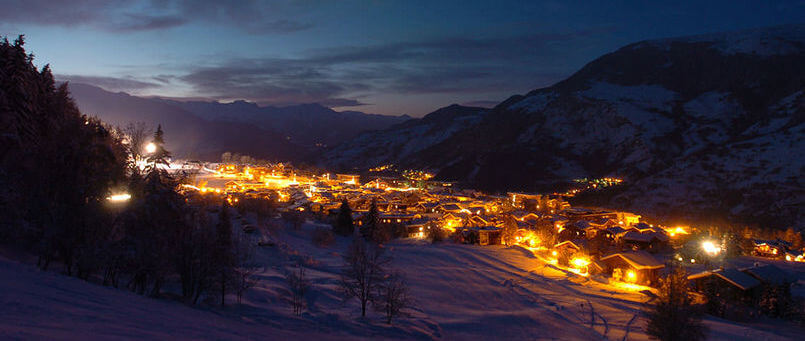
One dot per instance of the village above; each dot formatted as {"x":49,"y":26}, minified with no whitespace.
{"x":614,"y":246}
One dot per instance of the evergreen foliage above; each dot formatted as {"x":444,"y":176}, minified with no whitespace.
{"x":343,"y":223}
{"x":672,"y":316}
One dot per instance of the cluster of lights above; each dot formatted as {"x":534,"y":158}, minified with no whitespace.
{"x":417,"y":175}
{"x":381,"y":168}
{"x":676,"y":231}
{"x":594,"y":184}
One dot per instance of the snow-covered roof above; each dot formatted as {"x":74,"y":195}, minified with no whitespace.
{"x":451,"y":207}
{"x":616,"y":230}
{"x":733,"y":276}
{"x":640,"y":260}
{"x":582,"y":224}
{"x":770,"y":274}
{"x":576,"y":243}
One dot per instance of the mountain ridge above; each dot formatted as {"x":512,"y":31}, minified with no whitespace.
{"x":204,"y":130}
{"x":692,"y":125}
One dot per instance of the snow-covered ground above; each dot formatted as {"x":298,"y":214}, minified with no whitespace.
{"x":460,"y":291}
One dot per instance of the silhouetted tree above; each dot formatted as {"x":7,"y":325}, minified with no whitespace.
{"x":137,"y":135}
{"x":160,"y":156}
{"x":224,"y":260}
{"x":672,"y":316}
{"x":298,"y":285}
{"x":363,"y":272}
{"x":371,"y":221}
{"x":343,"y":223}
{"x":393,"y":296}
{"x":57,"y":167}
{"x":509,"y":230}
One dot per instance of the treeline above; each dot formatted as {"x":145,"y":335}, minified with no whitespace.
{"x":58,"y":170}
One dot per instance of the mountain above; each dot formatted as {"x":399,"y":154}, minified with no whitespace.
{"x":187,"y":135}
{"x":703,"y":127}
{"x":204,"y":130}
{"x":405,"y":140}
{"x":304,"y":124}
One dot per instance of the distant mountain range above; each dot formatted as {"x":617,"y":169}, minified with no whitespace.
{"x":703,"y":127}
{"x":204,"y":130}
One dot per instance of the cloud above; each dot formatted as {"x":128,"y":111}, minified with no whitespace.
{"x":109,"y":83}
{"x":336,"y":76}
{"x":147,"y":15}
{"x":341,"y":102}
{"x":140,"y":22}
{"x":58,"y":13}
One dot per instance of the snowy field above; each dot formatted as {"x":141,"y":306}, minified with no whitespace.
{"x":461,"y":292}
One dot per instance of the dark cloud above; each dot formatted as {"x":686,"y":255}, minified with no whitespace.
{"x":130,"y":16}
{"x":267,"y":81}
{"x":59,"y":13}
{"x":341,"y":102}
{"x":109,"y":83}
{"x":448,"y":65}
{"x":140,"y":22}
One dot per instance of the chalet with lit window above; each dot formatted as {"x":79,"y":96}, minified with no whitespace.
{"x":637,"y":267}
{"x":488,"y":235}
{"x":418,"y":228}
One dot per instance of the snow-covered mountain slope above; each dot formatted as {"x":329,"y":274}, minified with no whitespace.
{"x":403,"y":141}
{"x":460,"y":292}
{"x":708,"y":125}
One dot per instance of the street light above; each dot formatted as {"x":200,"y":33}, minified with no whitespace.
{"x":710,"y":248}
{"x":119,"y":197}
{"x":150,"y":148}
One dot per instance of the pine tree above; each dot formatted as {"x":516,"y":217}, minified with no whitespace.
{"x":343,"y":224}
{"x":672,"y":316}
{"x":160,"y":156}
{"x":371,"y":222}
{"x":223,"y":250}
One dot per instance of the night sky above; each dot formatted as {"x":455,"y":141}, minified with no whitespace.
{"x":387,"y":57}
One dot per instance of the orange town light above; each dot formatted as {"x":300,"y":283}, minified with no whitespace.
{"x":631,"y":276}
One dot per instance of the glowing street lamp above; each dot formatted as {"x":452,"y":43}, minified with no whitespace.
{"x":119,"y":197}
{"x":150,"y":148}
{"x":710,"y":248}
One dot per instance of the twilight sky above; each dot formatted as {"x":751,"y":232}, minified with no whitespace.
{"x":388,"y":57}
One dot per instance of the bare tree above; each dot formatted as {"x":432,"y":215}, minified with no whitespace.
{"x":298,"y":284}
{"x":392,"y":296}
{"x":363,"y":272}
{"x":243,"y":278}
{"x":137,"y":134}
